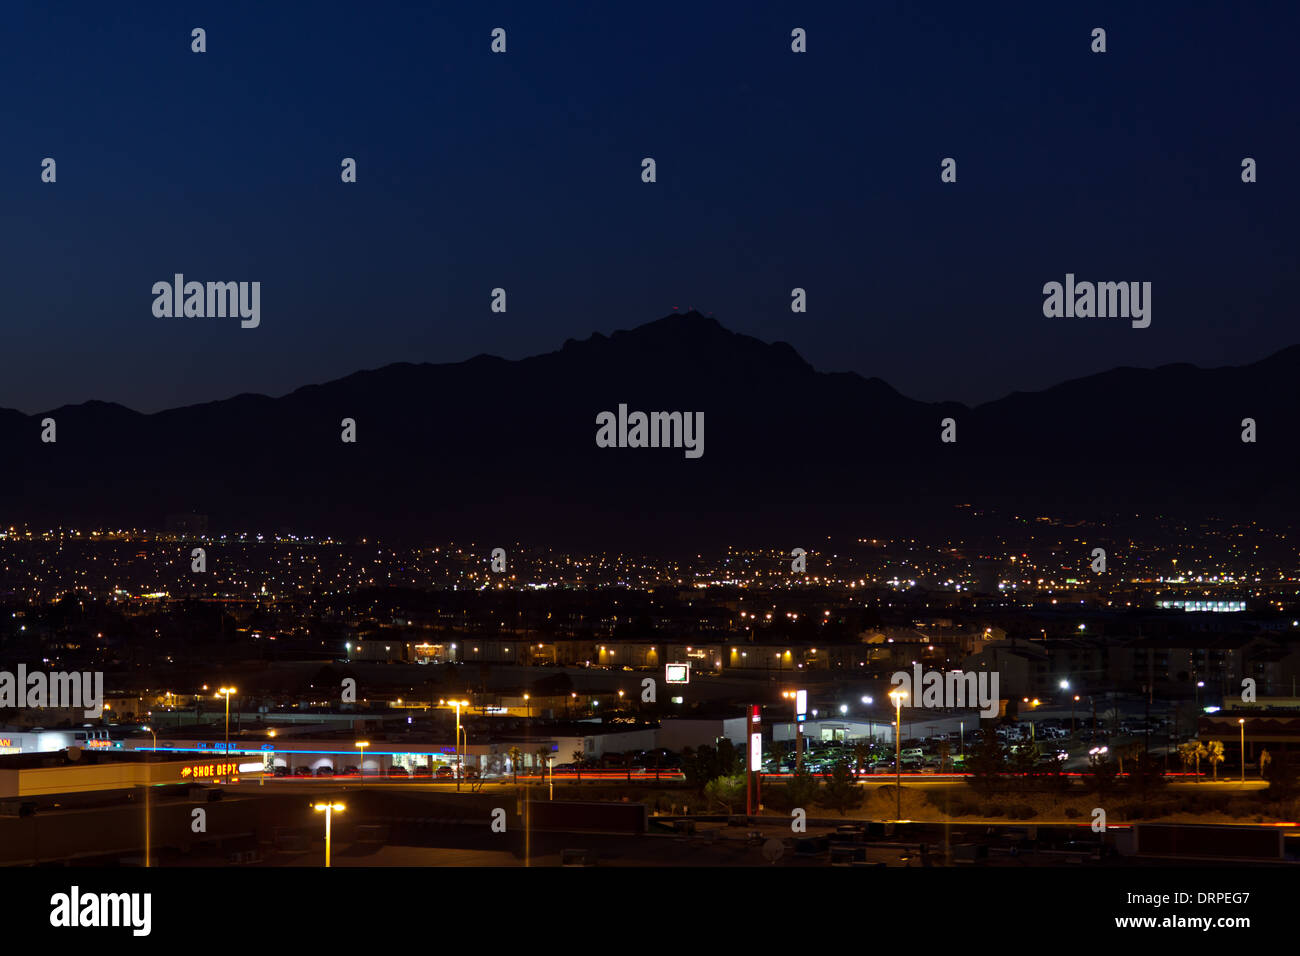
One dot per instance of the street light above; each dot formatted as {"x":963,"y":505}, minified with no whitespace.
{"x":226,"y":692}
{"x":898,"y":695}
{"x":1242,"y":722}
{"x":327,"y":807}
{"x":362,"y":745}
{"x":458,"y":704}
{"x":147,"y":826}
{"x":528,"y":708}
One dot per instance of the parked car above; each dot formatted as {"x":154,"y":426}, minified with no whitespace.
{"x":397,"y":772}
{"x":444,"y":773}
{"x":324,"y":771}
{"x":282,"y":771}
{"x":302,"y":771}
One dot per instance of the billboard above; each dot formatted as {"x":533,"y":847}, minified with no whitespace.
{"x":678,"y":674}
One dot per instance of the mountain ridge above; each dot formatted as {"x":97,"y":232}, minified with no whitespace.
{"x":508,"y":447}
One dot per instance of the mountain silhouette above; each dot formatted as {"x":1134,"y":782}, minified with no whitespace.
{"x":507,"y":450}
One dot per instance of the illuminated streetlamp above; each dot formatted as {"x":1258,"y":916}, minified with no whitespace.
{"x":362,"y":745}
{"x":147,"y":781}
{"x":1242,"y":722}
{"x":226,"y":692}
{"x":458,"y":704}
{"x":898,"y":695}
{"x":327,"y":807}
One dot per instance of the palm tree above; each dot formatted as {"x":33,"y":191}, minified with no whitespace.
{"x":1191,"y":753}
{"x":1214,"y":753}
{"x":543,"y":754}
{"x":577,"y":763}
{"x":515,"y":755}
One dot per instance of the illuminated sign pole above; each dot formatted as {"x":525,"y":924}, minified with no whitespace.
{"x":800,"y":715}
{"x":753,"y":792}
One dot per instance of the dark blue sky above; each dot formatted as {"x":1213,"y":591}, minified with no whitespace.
{"x":775,"y":170}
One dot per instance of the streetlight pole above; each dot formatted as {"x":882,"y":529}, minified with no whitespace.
{"x":362,"y":745}
{"x":897,"y":695}
{"x":148,"y":827}
{"x":465,"y":733}
{"x":1242,"y":722}
{"x":458,"y":704}
{"x":226,"y":692}
{"x":327,"y":807}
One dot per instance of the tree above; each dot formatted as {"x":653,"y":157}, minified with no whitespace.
{"x":841,"y":791}
{"x":1281,"y":775}
{"x":515,"y":755}
{"x":987,"y":762}
{"x":1146,"y":773}
{"x":802,"y":788}
{"x":945,"y":753}
{"x":729,"y":758}
{"x":578,"y":757}
{"x":1024,"y":758}
{"x":1214,"y":754}
{"x":543,"y":754}
{"x":779,"y":752}
{"x":1191,"y":754}
{"x":726,"y":791}
{"x":699,"y":766}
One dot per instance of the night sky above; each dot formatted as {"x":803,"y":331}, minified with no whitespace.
{"x":522,"y":170}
